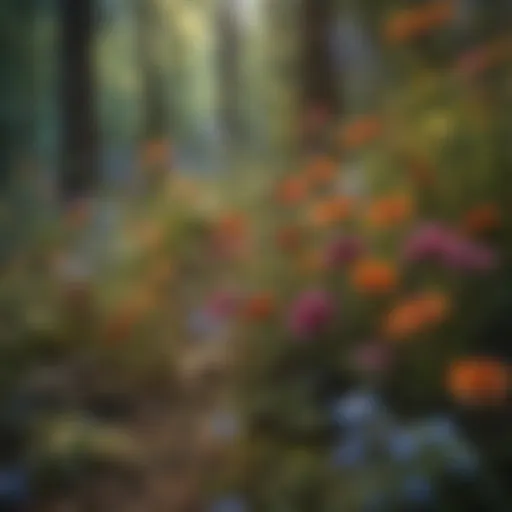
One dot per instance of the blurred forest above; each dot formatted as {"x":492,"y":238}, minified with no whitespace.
{"x":255,"y":255}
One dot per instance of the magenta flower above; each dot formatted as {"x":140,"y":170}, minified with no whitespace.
{"x":440,"y":245}
{"x":344,"y":250}
{"x":427,"y":243}
{"x":311,"y":313}
{"x":465,"y":255}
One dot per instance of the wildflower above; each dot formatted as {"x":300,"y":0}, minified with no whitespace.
{"x":478,"y":381}
{"x":231,"y":235}
{"x":343,"y":250}
{"x":482,"y":219}
{"x":321,"y":170}
{"x":351,"y":452}
{"x":356,"y":409}
{"x":417,"y":313}
{"x":403,"y":445}
{"x":330,"y":211}
{"x":435,"y":243}
{"x":408,"y":24}
{"x":460,"y":254}
{"x":427,"y":242}
{"x":440,"y":431}
{"x":291,"y":191}
{"x":390,"y":211}
{"x":311,"y":313}
{"x":231,"y":225}
{"x":374,"y":276}
{"x":260,"y":306}
{"x":480,"y":59}
{"x":361,"y":131}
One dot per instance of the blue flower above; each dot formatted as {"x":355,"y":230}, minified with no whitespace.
{"x":441,"y":431}
{"x":356,"y":409}
{"x":403,"y":446}
{"x":349,"y":453}
{"x":229,"y":504}
{"x":417,"y":489}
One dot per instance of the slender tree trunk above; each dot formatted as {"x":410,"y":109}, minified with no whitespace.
{"x":17,"y":86}
{"x":229,"y":40}
{"x":155,"y":105}
{"x":318,"y":72}
{"x":80,"y":137}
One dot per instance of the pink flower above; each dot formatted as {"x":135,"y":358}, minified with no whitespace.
{"x":478,"y":258}
{"x":440,"y":245}
{"x":344,"y":250}
{"x":428,"y":242}
{"x":311,"y":313}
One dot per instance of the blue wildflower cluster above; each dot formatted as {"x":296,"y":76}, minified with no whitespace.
{"x":405,"y":461}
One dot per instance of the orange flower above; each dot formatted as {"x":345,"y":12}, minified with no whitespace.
{"x":478,"y":381}
{"x":155,"y":152}
{"x":433,"y":308}
{"x":389,"y":211}
{"x":292,"y":190}
{"x":482,"y":219}
{"x":414,"y":314}
{"x":403,"y":321}
{"x":374,"y":276}
{"x":289,"y":238}
{"x":361,"y":132}
{"x":408,"y":24}
{"x":232,"y":226}
{"x":482,"y":58}
{"x":260,"y":306}
{"x":321,"y":170}
{"x":330,"y":211}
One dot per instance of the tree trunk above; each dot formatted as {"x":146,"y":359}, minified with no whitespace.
{"x":17,"y":86}
{"x":80,"y":139}
{"x":229,"y":39}
{"x":155,"y":105}
{"x":318,"y":72}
